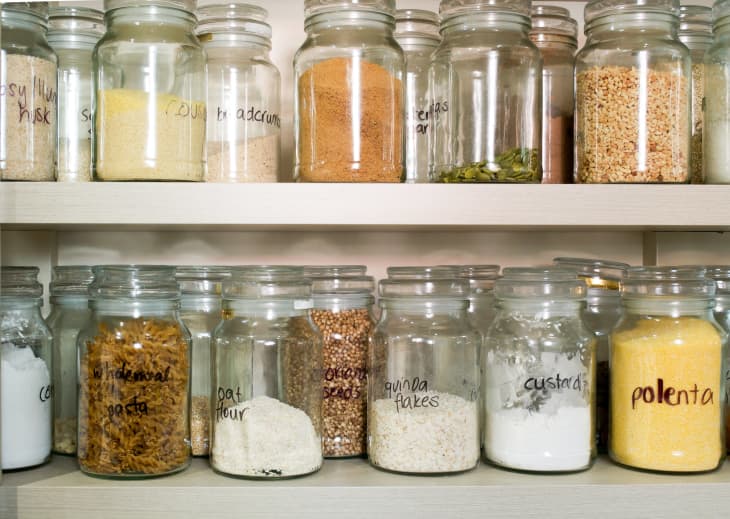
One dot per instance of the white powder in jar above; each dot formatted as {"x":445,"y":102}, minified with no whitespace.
{"x":424,"y":439}
{"x":250,"y":160}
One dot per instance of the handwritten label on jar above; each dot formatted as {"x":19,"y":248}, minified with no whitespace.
{"x":668,"y":395}
{"x":45,"y":393}
{"x":251,"y":114}
{"x":35,"y":99}
{"x":577,"y":382}
{"x":343,"y":382}
{"x":133,"y":405}
{"x":396,"y":390}
{"x":227,"y":399}
{"x":179,"y":108}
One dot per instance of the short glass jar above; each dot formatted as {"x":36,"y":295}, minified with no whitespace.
{"x":633,"y":95}
{"x":73,"y":34}
{"x":134,"y":375}
{"x":26,"y":395}
{"x":423,"y":378}
{"x":555,"y":33}
{"x":349,"y":93}
{"x":417,"y":32}
{"x":539,"y":374}
{"x":150,"y":85}
{"x":244,"y":125}
{"x":667,"y":373}
{"x":69,"y":315}
{"x":267,"y":377}
{"x":28,"y":110}
{"x":720,"y":274}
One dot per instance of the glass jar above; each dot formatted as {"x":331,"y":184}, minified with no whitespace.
{"x":633,"y":82}
{"x":417,"y":32}
{"x":423,"y":378}
{"x":539,"y":374}
{"x":69,"y":315}
{"x":481,"y":280}
{"x":667,"y":373}
{"x":720,"y":274}
{"x":486,"y":81}
{"x":134,"y":375}
{"x":349,"y":93}
{"x":26,"y":395}
{"x":73,"y":34}
{"x":28,"y":108}
{"x":200,"y":311}
{"x":556,"y":35}
{"x":150,"y":84}
{"x":244,"y":127}
{"x":342,"y":312}
{"x":267,"y":377}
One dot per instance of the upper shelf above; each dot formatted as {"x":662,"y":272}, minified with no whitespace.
{"x":364,"y":206}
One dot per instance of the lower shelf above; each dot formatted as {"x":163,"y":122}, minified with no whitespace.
{"x":351,"y":488}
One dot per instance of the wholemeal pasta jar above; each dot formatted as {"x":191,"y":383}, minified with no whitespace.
{"x":134,"y":375}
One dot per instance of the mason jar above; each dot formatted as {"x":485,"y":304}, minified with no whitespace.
{"x":720,"y":274}
{"x":486,"y":81}
{"x":134,"y":375}
{"x":349,"y":93}
{"x":417,"y":32}
{"x":423,"y":378}
{"x":667,"y":373}
{"x":73,"y":33}
{"x":69,"y":315}
{"x":244,"y":123}
{"x":150,"y":83}
{"x":26,"y":395}
{"x":266,"y":359}
{"x":539,"y":374}
{"x":633,"y":103}
{"x":555,"y":33}
{"x":28,"y":108}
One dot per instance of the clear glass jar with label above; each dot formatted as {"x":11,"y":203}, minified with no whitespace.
{"x":69,"y":315}
{"x":423,"y":378}
{"x":417,"y":32}
{"x":348,"y":113}
{"x":73,"y":33}
{"x":633,"y":95}
{"x":26,"y":395}
{"x":486,"y":84}
{"x":244,"y":122}
{"x":28,"y":110}
{"x":134,"y":375}
{"x":267,"y":377}
{"x":556,"y":35}
{"x":539,"y":374}
{"x":720,"y":274}
{"x":667,"y":373}
{"x":150,"y":112}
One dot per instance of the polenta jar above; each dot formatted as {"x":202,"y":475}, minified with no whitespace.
{"x":667,"y":357}
{"x":720,"y":274}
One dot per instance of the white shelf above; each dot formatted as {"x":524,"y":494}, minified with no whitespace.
{"x":350,"y":488}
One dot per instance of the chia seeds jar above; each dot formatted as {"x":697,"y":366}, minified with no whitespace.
{"x":267,"y":376}
{"x":348,"y":113}
{"x":539,"y":374}
{"x":720,"y":274}
{"x":244,"y":125}
{"x":485,"y":82}
{"x":667,"y":373}
{"x":423,"y":377}
{"x":134,"y":375}
{"x":633,"y":103}
{"x":26,"y":395}
{"x":69,"y":315}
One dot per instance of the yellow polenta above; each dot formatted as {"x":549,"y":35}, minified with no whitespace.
{"x":666,"y":401}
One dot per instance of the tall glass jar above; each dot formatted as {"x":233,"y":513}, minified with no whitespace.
{"x":26,"y":395}
{"x":149,"y":120}
{"x":423,"y":378}
{"x":267,"y":377}
{"x":69,"y":315}
{"x":539,"y":374}
{"x":481,"y":280}
{"x":633,"y":103}
{"x":720,"y":274}
{"x":28,"y":108}
{"x":134,"y":375}
{"x":73,"y":33}
{"x":349,"y":93}
{"x":200,"y":311}
{"x":417,"y":32}
{"x":667,"y":373}
{"x":244,"y":125}
{"x":556,"y":35}
{"x":486,"y":91}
